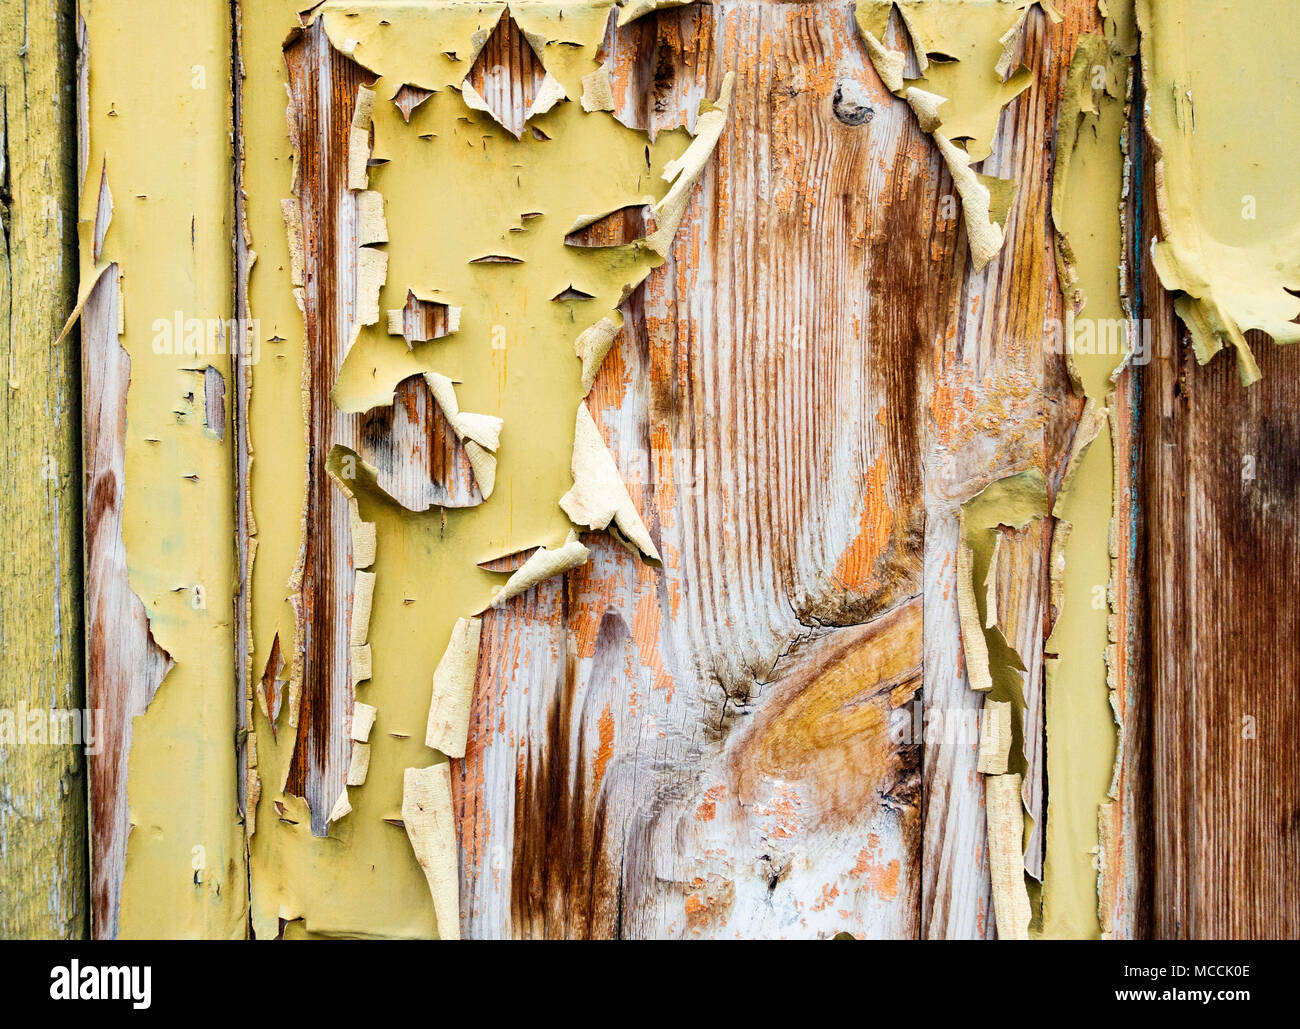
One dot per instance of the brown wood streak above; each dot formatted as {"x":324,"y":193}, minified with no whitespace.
{"x":241,"y":380}
{"x":564,"y":880}
{"x":658,"y":730}
{"x":420,"y":461}
{"x":1125,"y":892}
{"x":1223,"y":622}
{"x":423,"y":320}
{"x":787,"y":462}
{"x":622,"y":226}
{"x":323,"y":92}
{"x":507,"y":73}
{"x":124,"y":666}
{"x":1165,"y":530}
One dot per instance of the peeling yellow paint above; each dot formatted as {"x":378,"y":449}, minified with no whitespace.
{"x":964,"y":50}
{"x":995,"y":668}
{"x":1089,"y":177}
{"x":162,"y":138}
{"x":453,"y":690}
{"x":1225,"y":176}
{"x":599,"y":499}
{"x":509,"y":378}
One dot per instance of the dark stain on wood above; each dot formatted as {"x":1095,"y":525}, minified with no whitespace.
{"x":1220,"y":527}
{"x":420,"y":460}
{"x":565,"y":880}
{"x":124,"y":665}
{"x":423,"y":320}
{"x":1220,"y":499}
{"x":507,"y":74}
{"x":626,"y":225}
{"x":320,"y":81}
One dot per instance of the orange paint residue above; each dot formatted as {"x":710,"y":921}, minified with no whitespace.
{"x":1006,"y":405}
{"x":856,"y":570}
{"x":708,"y":903}
{"x":645,"y":633}
{"x":947,"y":402}
{"x":829,"y":895}
{"x":605,"y":751}
{"x":784,"y":810}
{"x":878,"y":878}
{"x":590,"y":596}
{"x":661,"y":457}
{"x":697,"y":911}
{"x":609,"y":389}
{"x":708,"y":808}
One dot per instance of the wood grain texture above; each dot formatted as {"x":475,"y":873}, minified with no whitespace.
{"x":124,"y":666}
{"x":800,"y":400}
{"x":999,"y":402}
{"x":1219,"y":491}
{"x":43,"y":860}
{"x":955,"y":372}
{"x":323,"y":91}
{"x":702,"y":749}
{"x":1126,"y":894}
{"x":420,"y":461}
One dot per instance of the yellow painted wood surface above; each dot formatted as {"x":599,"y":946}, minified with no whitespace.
{"x":157,"y":216}
{"x":801,"y":399}
{"x":43,"y":858}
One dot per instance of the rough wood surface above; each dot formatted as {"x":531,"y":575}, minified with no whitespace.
{"x":420,"y":461}
{"x":43,"y":860}
{"x":671,"y":745}
{"x":999,"y":402}
{"x":124,"y":665}
{"x":702,"y":749}
{"x":1126,"y":895}
{"x":800,"y":400}
{"x":1219,"y":489}
{"x":323,"y":94}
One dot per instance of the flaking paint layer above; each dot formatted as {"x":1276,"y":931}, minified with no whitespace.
{"x":1088,"y":199}
{"x":159,"y":135}
{"x":965,"y":51}
{"x":1228,"y":210}
{"x":509,"y":379}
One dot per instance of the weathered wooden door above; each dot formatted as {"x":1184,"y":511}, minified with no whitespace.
{"x":643,"y":469}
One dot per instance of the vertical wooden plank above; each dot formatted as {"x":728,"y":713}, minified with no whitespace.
{"x":1245,"y":527}
{"x":42,"y":812}
{"x":1165,"y":413}
{"x":157,"y":212}
{"x":999,"y":402}
{"x":324,"y":90}
{"x":1126,"y":892}
{"x":1219,"y":492}
{"x":1219,"y":496}
{"x":704,"y":749}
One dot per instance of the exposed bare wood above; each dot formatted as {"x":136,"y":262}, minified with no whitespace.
{"x":745,"y":710}
{"x":656,"y":725}
{"x":1218,"y":496}
{"x":323,"y":95}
